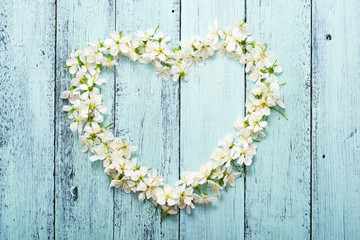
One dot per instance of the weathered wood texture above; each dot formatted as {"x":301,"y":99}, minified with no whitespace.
{"x":210,"y":103}
{"x":277,"y":202}
{"x":27,"y":73}
{"x":304,"y":182}
{"x":147,"y":110}
{"x":336,"y":137}
{"x":84,"y":200}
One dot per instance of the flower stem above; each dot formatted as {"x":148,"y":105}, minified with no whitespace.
{"x":155,"y":30}
{"x":109,"y":125}
{"x":198,"y":188}
{"x":280,"y":113}
{"x":235,"y":166}
{"x":163,"y":215}
{"x":67,"y":116}
{"x":244,"y":170}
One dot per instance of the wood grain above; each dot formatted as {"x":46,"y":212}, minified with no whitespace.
{"x":27,"y":122}
{"x":277,"y":203}
{"x":147,"y":110}
{"x":84,"y":200}
{"x":303,"y":184}
{"x":336,"y":137}
{"x":210,"y":103}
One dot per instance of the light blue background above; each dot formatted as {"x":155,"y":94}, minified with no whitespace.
{"x":304,"y":182}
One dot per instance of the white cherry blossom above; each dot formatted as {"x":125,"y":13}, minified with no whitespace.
{"x":86,"y":110}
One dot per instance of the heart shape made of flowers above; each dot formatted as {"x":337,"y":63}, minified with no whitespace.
{"x":233,"y":152}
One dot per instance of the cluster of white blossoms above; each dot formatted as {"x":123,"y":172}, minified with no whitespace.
{"x":233,"y":152}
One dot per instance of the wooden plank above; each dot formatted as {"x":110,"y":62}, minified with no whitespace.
{"x":27,"y":42}
{"x":210,"y":103}
{"x":84,"y":200}
{"x":278,"y":182}
{"x":147,"y":110}
{"x":336,"y":137}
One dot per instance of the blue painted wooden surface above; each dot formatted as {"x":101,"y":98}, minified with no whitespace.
{"x":304,"y":182}
{"x":336,"y":136}
{"x":277,"y":201}
{"x":81,"y":205}
{"x":147,"y":110}
{"x":210,"y":103}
